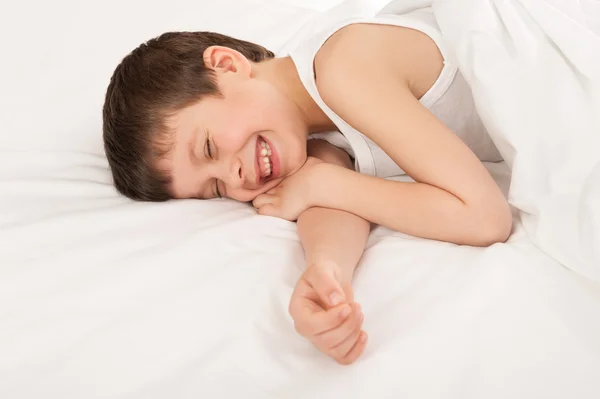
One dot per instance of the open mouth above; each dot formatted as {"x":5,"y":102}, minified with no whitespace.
{"x":265,"y":162}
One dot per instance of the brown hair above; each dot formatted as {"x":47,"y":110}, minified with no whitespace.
{"x":156,"y":79}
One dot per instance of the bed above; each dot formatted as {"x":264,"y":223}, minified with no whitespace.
{"x":101,"y":297}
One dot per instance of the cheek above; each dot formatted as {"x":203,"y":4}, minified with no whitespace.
{"x":291,"y":136}
{"x":243,"y":116}
{"x":233,"y":134}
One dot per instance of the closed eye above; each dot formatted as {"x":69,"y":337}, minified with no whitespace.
{"x":208,"y":148}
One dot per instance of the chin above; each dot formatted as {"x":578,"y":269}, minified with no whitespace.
{"x":298,"y":165}
{"x":291,"y":165}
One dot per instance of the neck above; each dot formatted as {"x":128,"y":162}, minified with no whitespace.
{"x":282,"y":73}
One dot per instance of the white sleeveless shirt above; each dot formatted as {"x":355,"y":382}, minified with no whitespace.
{"x":449,"y":99}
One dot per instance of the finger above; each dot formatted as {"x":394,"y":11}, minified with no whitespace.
{"x":344,"y":347}
{"x":262,"y":200}
{"x":309,"y":323}
{"x":268,"y":210}
{"x":331,"y":338}
{"x":273,"y":191}
{"x":356,"y":351}
{"x":325,"y":283}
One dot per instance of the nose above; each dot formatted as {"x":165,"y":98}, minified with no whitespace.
{"x":235,"y":175}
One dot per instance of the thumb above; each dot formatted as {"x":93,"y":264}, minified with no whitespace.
{"x":324,"y":282}
{"x":267,"y":210}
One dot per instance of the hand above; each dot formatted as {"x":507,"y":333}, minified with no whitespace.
{"x":292,"y":196}
{"x":326,"y":314}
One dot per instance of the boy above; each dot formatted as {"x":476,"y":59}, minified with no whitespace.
{"x":311,"y":137}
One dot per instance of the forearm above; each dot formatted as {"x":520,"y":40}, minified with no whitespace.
{"x":333,"y":235}
{"x":417,"y":209}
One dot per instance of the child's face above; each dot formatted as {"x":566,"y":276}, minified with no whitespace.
{"x":232,"y":129}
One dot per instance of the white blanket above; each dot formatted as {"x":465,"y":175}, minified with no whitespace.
{"x":534,"y":67}
{"x":101,"y":297}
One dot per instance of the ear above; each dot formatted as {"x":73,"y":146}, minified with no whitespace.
{"x":225,"y":59}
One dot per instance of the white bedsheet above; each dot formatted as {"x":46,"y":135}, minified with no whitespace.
{"x":104,"y":298}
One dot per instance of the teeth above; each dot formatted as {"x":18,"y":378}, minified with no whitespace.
{"x":265,"y":153}
{"x":265,"y":145}
{"x":266,"y":172}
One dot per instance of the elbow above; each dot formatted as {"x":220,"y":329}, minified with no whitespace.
{"x":494,"y":226}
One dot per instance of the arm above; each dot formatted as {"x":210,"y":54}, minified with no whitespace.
{"x":333,"y":242}
{"x":331,"y":234}
{"x":418,"y":209}
{"x":453,"y":197}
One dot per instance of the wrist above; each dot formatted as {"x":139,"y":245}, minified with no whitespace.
{"x":322,"y":184}
{"x":343,"y":273}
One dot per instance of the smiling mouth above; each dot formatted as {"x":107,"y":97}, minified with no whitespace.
{"x":265,"y":163}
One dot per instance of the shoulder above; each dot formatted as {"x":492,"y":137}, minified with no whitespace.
{"x":354,"y":49}
{"x":370,"y":57}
